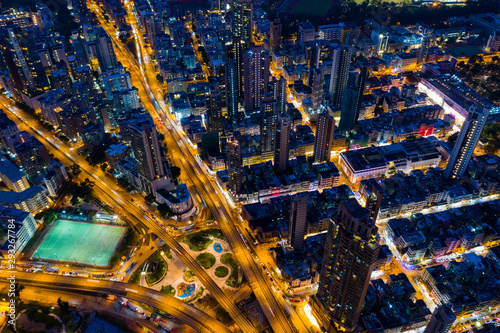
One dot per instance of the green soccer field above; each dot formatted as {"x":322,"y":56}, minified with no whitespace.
{"x":79,"y":242}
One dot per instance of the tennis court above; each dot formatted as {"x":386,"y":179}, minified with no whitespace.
{"x":79,"y":242}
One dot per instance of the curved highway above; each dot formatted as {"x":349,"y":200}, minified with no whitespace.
{"x":106,"y":191}
{"x":190,"y":315}
{"x":272,"y":304}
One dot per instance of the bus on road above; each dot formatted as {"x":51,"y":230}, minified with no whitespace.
{"x":52,"y":269}
{"x":130,"y":267}
{"x":132,"y":307}
{"x":165,"y":327}
{"x":121,"y":301}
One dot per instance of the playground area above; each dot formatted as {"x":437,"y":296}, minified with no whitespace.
{"x":217,"y":248}
{"x":185,"y":290}
{"x":79,"y":242}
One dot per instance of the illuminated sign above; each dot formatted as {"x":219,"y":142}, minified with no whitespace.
{"x":426,"y":130}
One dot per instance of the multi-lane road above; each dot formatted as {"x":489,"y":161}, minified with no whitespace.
{"x":106,"y":190}
{"x":190,"y":315}
{"x":271,"y":302}
{"x":181,"y":152}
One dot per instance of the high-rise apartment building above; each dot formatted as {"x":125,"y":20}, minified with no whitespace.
{"x":80,"y":9}
{"x":470,"y":133}
{"x":305,"y":33}
{"x":282,"y":141}
{"x":314,"y":60}
{"x":347,"y":33}
{"x":255,"y":76}
{"x":351,"y":100}
{"x":424,"y":50}
{"x":214,"y":111}
{"x":60,"y":79}
{"x":104,"y":50}
{"x":154,"y":172}
{"x":298,"y":220}
{"x":323,"y":140}
{"x":234,"y":164}
{"x":317,"y":88}
{"x":232,"y":99}
{"x":278,"y":88}
{"x":268,"y":114}
{"x":241,"y":19}
{"x":275,"y":35}
{"x":235,"y":50}
{"x":116,"y":79}
{"x":22,"y":59}
{"x":351,"y":250}
{"x":82,"y":51}
{"x":34,"y":157}
{"x":340,"y":73}
{"x":8,"y":128}
{"x":441,"y":321}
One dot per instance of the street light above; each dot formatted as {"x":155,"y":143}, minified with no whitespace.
{"x":55,"y":255}
{"x":74,"y":257}
{"x":93,"y":262}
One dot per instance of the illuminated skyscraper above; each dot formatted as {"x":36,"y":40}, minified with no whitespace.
{"x":351,"y":100}
{"x":466,"y":142}
{"x":255,"y":76}
{"x":323,"y":140}
{"x":148,"y":148}
{"x":282,"y":142}
{"x":232,"y":99}
{"x":441,"y":321}
{"x":278,"y":89}
{"x":340,"y":72}
{"x":22,"y":59}
{"x":241,"y":19}
{"x":268,"y":113}
{"x":234,"y":164}
{"x":298,"y":220}
{"x":424,"y":50}
{"x":105,"y":51}
{"x":214,"y":111}
{"x":234,"y":76}
{"x":275,"y":36}
{"x":351,"y":249}
{"x":317,"y":87}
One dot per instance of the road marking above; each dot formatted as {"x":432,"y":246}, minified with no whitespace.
{"x":153,"y":296}
{"x":131,"y":290}
{"x":95,"y":281}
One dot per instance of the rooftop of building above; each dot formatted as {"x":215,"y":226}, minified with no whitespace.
{"x":117,"y":149}
{"x":9,"y":197}
{"x":9,"y":170}
{"x":179,"y":195}
{"x":12,"y":213}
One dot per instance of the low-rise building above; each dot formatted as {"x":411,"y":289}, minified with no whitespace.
{"x":19,"y":223}
{"x":32,"y":199}
{"x":54,"y":178}
{"x":116,"y":153}
{"x":179,"y":200}
{"x":11,"y":176}
{"x":374,"y":162}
